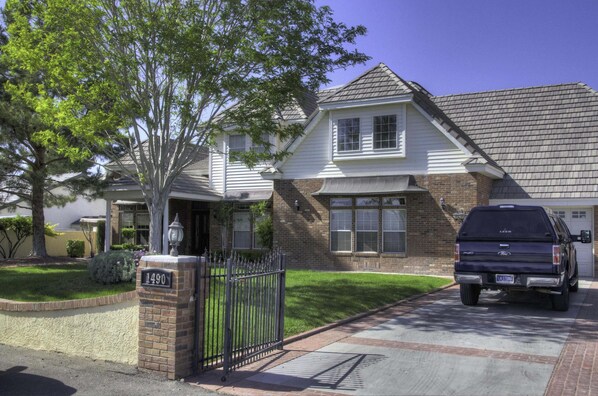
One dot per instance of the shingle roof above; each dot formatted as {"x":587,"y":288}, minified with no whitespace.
{"x":378,"y":82}
{"x":545,"y":138}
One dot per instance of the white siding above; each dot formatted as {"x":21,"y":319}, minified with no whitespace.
{"x":226,"y":176}
{"x":427,"y":151}
{"x":217,"y":166}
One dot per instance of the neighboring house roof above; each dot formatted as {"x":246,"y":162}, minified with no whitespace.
{"x":12,"y":200}
{"x":189,"y":184}
{"x":545,"y":138}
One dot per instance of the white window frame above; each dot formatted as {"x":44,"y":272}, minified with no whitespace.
{"x":338,"y":134}
{"x":374,"y":133}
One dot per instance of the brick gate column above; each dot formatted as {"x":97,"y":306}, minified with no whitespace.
{"x":167,"y":315}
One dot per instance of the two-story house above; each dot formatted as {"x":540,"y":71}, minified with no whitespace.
{"x":384,"y":171}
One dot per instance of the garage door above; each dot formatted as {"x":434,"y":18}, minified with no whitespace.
{"x":578,"y":219}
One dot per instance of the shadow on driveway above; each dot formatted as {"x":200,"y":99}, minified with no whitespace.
{"x":14,"y":382}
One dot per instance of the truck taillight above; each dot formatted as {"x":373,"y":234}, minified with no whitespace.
{"x":556,"y":254}
{"x":457,"y":254}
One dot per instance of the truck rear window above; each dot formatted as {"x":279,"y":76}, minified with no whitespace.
{"x":504,"y":224}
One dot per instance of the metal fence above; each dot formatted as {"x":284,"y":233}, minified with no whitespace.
{"x":243,"y":310}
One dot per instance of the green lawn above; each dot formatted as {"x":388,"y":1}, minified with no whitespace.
{"x":314,"y":299}
{"x":53,"y":283}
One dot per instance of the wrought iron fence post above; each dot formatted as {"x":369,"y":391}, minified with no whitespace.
{"x":227,"y":320}
{"x":280,"y":300}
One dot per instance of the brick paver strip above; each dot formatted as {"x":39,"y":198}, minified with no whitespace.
{"x":462,"y":351}
{"x":576,"y":372}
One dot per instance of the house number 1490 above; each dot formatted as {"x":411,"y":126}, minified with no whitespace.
{"x":154,"y":277}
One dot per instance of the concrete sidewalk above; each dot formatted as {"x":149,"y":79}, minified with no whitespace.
{"x":508,"y":344}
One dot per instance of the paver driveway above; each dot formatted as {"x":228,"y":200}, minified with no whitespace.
{"x":508,"y":344}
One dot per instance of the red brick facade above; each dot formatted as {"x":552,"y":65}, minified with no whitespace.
{"x":304,"y":235}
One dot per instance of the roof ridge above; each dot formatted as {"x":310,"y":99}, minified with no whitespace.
{"x":510,"y":89}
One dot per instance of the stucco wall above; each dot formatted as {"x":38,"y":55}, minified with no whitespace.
{"x":106,"y":332}
{"x":55,"y":246}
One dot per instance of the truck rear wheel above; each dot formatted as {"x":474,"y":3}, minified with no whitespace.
{"x":575,"y":286}
{"x":470,"y":294}
{"x":560,"y":302}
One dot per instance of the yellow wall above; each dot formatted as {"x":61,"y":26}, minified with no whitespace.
{"x":108,"y":332}
{"x":55,"y":246}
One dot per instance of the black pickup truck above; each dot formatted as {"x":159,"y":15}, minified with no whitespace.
{"x":511,"y":247}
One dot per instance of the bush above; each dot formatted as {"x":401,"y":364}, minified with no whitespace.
{"x":75,"y":248}
{"x":128,"y":246}
{"x":251,"y":255}
{"x":128,"y":233}
{"x":112,"y":267}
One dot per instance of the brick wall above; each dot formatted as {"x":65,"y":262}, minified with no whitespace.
{"x":304,"y":235}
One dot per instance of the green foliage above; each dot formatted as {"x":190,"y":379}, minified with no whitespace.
{"x":15,"y":230}
{"x":315,"y":298}
{"x":128,"y":246}
{"x":106,"y":67}
{"x":101,"y":236}
{"x":112,"y":267}
{"x":264,"y":228}
{"x":75,"y":248}
{"x":128,"y":233}
{"x":54,"y":283}
{"x":250,"y":255}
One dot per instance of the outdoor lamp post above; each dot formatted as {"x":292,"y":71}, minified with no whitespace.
{"x":175,"y":235}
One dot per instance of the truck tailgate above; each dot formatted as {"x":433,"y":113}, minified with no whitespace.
{"x":511,"y":257}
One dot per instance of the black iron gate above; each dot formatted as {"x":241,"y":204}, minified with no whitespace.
{"x":243,"y":310}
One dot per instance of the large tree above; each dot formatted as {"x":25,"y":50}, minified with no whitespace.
{"x":162,"y":70}
{"x":33,"y":168}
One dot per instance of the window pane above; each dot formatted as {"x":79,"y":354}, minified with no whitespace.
{"x":348,"y":134}
{"x":393,"y":219}
{"x":366,"y":220}
{"x":340,"y":241}
{"x":127,"y":220}
{"x":393,"y":201}
{"x":143,"y":220}
{"x":367,"y":241}
{"x":341,"y":202}
{"x":340,"y":230}
{"x":259,"y":147}
{"x":366,"y":227}
{"x":241,"y":230}
{"x":236,"y":143}
{"x":367,"y":201}
{"x":385,"y":132}
{"x":394,"y":242}
{"x":340,"y":220}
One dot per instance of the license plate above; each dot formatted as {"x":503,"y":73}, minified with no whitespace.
{"x":505,"y":279}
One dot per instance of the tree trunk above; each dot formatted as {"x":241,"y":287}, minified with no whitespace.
{"x":37,"y":205}
{"x":156,"y":212}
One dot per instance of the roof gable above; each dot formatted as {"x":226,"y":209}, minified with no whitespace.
{"x":376,"y":83}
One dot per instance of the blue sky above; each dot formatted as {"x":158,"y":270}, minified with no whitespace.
{"x":456,"y":46}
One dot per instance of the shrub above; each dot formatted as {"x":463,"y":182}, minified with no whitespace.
{"x":101,"y":236}
{"x":75,"y":248}
{"x":128,"y":233}
{"x":128,"y":246}
{"x":112,"y":267}
{"x":251,"y":255}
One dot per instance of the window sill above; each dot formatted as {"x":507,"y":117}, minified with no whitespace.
{"x":397,"y":255}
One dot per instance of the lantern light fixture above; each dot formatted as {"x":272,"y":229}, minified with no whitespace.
{"x":175,"y":235}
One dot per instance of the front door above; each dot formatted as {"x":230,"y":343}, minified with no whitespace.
{"x":200,"y":231}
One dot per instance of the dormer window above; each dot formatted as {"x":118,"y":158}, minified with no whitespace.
{"x":236,"y":144}
{"x":348,"y":134}
{"x":385,"y":132}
